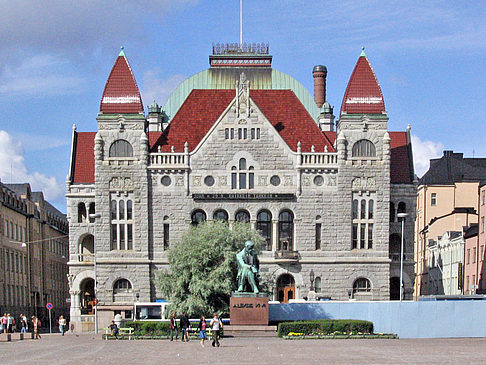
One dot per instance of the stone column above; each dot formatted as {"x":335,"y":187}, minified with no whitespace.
{"x":274,"y":235}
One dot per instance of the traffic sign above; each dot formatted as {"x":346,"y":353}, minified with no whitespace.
{"x":49,"y":306}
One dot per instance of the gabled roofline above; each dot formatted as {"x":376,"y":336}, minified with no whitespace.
{"x":74,"y":139}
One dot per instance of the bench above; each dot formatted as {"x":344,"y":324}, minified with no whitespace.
{"x":122,"y":333}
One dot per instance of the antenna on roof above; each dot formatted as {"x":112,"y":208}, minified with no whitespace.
{"x":241,"y":22}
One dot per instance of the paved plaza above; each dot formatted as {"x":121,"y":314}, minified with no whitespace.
{"x":88,"y":349}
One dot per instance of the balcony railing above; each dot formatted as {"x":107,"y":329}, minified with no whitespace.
{"x":169,"y":160}
{"x":287,"y":255}
{"x":319,"y":159}
{"x":85,"y":257}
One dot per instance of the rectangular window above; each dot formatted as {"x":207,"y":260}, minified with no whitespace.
{"x":233,"y":180}
{"x":362,"y":234}
{"x":240,"y":133}
{"x":251,"y":180}
{"x":370,"y":235}
{"x":355,"y":236}
{"x":258,"y":133}
{"x":482,"y":224}
{"x":318,"y":235}
{"x":433,"y":199}
{"x":129,"y":236}
{"x":474,"y":255}
{"x":242,"y":180}
{"x":122,"y":237}
{"x":483,"y":197}
{"x":468,"y":256}
{"x":166,"y":236}
{"x":114,"y":237}
{"x":245,"y":133}
{"x":226,"y":133}
{"x":481,"y":259}
{"x":232,"y":133}
{"x":252,"y":136}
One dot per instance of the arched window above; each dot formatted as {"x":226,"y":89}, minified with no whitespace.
{"x":361,"y":285}
{"x":285,"y":231}
{"x":318,"y":284}
{"x":121,"y":148}
{"x":122,"y":286}
{"x":220,"y":215}
{"x":242,"y":216}
{"x":242,"y":177}
{"x":392,"y":212}
{"x":86,"y":248}
{"x":197,"y":217}
{"x":364,"y":148}
{"x":264,"y":226}
{"x":81,"y":213}
{"x":402,"y":207}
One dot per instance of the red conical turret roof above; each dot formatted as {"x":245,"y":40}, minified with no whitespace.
{"x":121,"y":94}
{"x":363,"y":94}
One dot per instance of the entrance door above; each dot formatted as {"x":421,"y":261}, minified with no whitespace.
{"x":285,"y":288}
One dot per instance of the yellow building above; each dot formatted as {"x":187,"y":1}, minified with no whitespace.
{"x":447,"y":200}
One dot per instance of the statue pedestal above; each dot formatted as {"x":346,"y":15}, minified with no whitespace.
{"x":248,"y":309}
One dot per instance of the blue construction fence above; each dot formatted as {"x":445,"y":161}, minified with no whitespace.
{"x":421,"y":319}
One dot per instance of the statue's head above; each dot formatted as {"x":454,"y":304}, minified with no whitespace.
{"x":249,"y":245}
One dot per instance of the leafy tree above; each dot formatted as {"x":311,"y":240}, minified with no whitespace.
{"x":203,"y":267}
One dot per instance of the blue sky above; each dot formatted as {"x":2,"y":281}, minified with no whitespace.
{"x":56,"y":55}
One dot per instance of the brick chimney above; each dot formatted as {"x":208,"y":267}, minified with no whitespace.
{"x":319,"y":73}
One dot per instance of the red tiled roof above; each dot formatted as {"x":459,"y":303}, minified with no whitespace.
{"x":193,"y":120}
{"x":363,"y":94}
{"x":400,"y":164}
{"x":121,"y":94}
{"x":84,"y":165}
{"x":203,"y":107}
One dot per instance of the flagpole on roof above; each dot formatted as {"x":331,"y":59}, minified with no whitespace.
{"x":241,"y":22}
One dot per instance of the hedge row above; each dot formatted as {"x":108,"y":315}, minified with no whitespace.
{"x":325,"y":326}
{"x":141,"y":328}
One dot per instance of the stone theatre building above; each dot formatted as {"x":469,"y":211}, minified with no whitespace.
{"x":241,"y":141}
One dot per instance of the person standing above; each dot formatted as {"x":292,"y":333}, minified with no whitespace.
{"x":9,"y":323}
{"x":36,"y":324}
{"x":216,"y":325}
{"x":202,"y":330}
{"x":62,"y":325}
{"x":173,"y":327}
{"x":184,"y":324}
{"x":23,"y":323}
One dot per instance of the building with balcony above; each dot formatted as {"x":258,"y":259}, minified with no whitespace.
{"x":244,"y":142}
{"x":33,"y":253}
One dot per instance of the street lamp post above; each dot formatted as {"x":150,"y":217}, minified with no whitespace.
{"x":402,"y":216}
{"x":95,"y":216}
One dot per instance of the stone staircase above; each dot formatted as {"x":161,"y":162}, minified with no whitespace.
{"x":250,"y":331}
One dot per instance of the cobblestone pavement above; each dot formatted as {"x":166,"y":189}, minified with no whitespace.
{"x":88,"y":349}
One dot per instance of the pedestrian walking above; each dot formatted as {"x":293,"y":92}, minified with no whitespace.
{"x":216,"y":325}
{"x":202,"y":330}
{"x":36,"y":325}
{"x":173,"y":327}
{"x":9,"y":323}
{"x":4,"y":323}
{"x":184,"y":324}
{"x":62,"y":325}
{"x":23,"y":324}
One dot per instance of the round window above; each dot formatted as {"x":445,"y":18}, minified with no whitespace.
{"x":318,"y":180}
{"x":209,"y":180}
{"x":165,"y":180}
{"x":275,"y":180}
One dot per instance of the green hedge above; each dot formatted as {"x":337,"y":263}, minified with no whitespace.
{"x":141,"y":328}
{"x":325,"y":326}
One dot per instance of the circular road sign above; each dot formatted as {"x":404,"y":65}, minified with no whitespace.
{"x":49,"y":306}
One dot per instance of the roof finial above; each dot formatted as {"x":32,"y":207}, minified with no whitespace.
{"x":122,"y":53}
{"x":363,"y":54}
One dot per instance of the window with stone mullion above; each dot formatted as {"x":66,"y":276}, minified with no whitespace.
{"x":242,"y":177}
{"x":362,"y":213}
{"x":121,"y":223}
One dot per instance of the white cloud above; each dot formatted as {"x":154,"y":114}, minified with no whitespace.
{"x":423,"y":151}
{"x":13,"y":169}
{"x":159,"y":90}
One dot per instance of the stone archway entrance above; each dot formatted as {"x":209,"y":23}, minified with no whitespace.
{"x":87,"y":296}
{"x":285,"y":288}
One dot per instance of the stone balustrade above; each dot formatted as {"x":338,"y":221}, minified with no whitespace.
{"x":319,"y":159}
{"x":169,"y":160}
